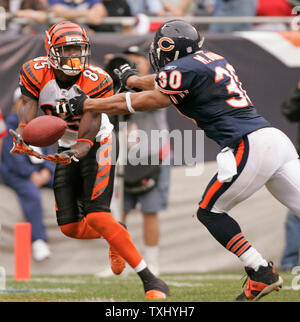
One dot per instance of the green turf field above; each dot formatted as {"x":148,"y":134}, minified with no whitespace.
{"x":214,"y":287}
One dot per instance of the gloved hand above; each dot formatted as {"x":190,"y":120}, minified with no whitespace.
{"x":74,"y":106}
{"x":20,"y":147}
{"x":63,"y":158}
{"x":114,"y":64}
{"x":124,"y":72}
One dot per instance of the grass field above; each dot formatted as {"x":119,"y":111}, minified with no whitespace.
{"x":184,"y":288}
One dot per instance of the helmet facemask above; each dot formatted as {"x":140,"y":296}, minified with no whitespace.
{"x":153,"y":57}
{"x":59,"y":57}
{"x":158,"y":58}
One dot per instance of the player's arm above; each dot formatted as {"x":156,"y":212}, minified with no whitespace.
{"x":29,"y":86}
{"x":27,"y":112}
{"x":91,"y":121}
{"x":88,"y":129}
{"x":144,"y":83}
{"x":129,"y":78}
{"x":126,"y":103}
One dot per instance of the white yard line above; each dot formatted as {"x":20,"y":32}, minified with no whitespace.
{"x":178,"y":284}
{"x":205,"y":277}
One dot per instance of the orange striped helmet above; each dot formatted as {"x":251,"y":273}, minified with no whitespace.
{"x":67,"y":47}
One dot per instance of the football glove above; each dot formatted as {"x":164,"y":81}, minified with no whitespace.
{"x":20,"y":147}
{"x":124,"y":72}
{"x":74,"y":107}
{"x":114,"y":63}
{"x":63,"y":158}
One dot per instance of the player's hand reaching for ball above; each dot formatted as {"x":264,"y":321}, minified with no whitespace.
{"x":63,"y":158}
{"x":20,"y":147}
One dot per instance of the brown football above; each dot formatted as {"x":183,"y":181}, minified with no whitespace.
{"x":44,"y":130}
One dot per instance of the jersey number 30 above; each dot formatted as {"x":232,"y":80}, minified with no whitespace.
{"x":240,"y":99}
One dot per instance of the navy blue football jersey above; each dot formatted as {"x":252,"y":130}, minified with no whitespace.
{"x":204,"y":87}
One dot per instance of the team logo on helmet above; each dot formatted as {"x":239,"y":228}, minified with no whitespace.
{"x":166,"y":44}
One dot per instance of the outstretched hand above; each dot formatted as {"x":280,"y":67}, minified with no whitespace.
{"x":124,"y":72}
{"x":63,"y":158}
{"x":20,"y":147}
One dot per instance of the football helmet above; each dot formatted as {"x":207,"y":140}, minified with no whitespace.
{"x":60,"y":39}
{"x":173,"y":40}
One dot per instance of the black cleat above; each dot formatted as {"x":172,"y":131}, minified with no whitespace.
{"x":260,"y":283}
{"x":156,"y":289}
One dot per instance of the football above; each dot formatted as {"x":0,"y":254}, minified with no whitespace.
{"x":44,"y":130}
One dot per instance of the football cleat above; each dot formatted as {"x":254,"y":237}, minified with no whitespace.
{"x":117,"y":262}
{"x":155,"y":295}
{"x":156,"y":289}
{"x":260,"y":283}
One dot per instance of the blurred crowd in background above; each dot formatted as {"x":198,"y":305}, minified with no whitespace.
{"x":33,"y":16}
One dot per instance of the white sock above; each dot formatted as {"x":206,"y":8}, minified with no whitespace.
{"x":252,"y":258}
{"x":142,"y":265}
{"x":151,"y":253}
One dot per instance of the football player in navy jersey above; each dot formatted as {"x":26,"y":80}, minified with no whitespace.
{"x":204,"y":87}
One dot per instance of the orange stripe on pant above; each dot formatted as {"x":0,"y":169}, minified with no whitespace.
{"x":102,"y":184}
{"x":217,"y":184}
{"x":104,"y":171}
{"x":104,"y":166}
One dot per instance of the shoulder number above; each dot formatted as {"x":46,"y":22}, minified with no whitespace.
{"x":93,"y":73}
{"x":234,"y":86}
{"x":173,"y":80}
{"x":40,"y":63}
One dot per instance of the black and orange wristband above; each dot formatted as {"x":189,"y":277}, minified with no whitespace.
{"x":22,"y":125}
